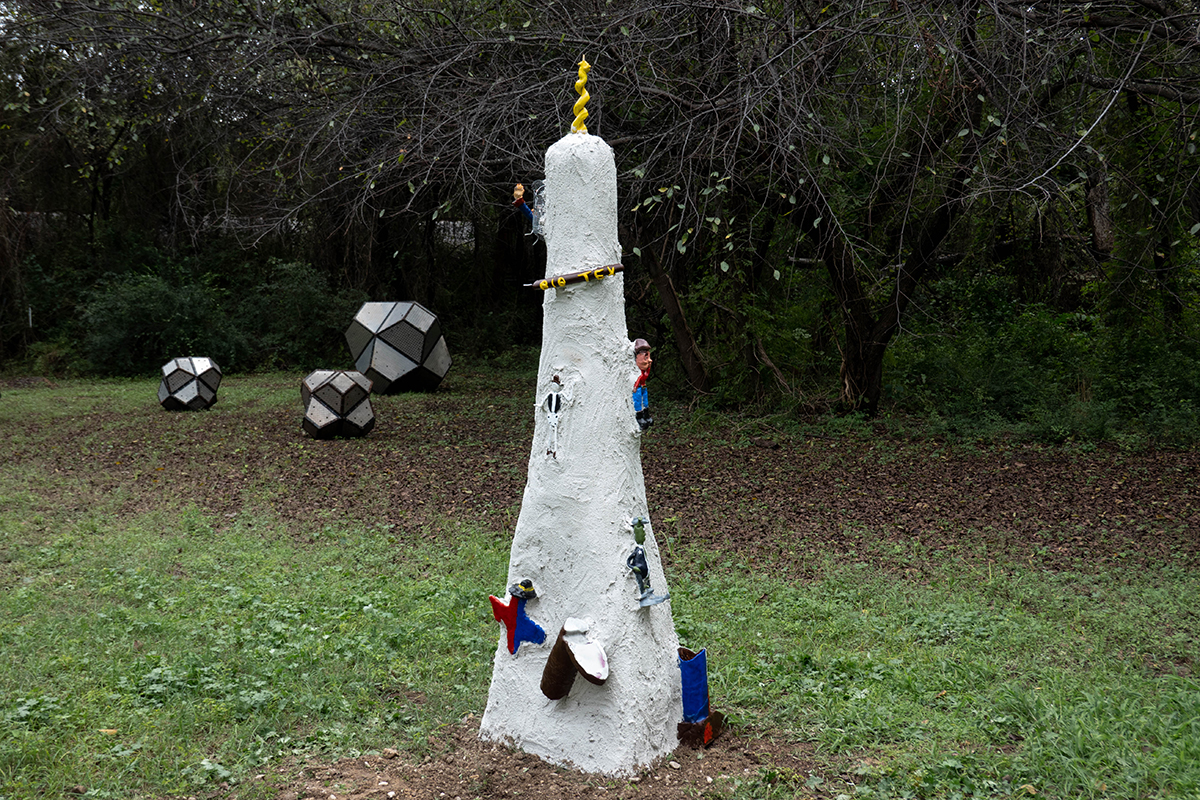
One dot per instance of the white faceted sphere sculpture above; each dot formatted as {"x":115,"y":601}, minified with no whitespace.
{"x":189,"y":384}
{"x":399,"y":346}
{"x":336,"y":403}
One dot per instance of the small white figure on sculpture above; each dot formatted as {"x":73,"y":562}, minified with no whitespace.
{"x":553,"y":406}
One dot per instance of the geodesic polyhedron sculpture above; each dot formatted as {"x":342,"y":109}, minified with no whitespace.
{"x":189,"y":384}
{"x":399,"y":346}
{"x":336,"y":403}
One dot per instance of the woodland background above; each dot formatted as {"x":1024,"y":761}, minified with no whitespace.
{"x":980,"y":213}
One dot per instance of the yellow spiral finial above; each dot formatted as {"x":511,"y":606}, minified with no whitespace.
{"x":581,"y":86}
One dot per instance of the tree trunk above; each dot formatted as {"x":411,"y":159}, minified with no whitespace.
{"x":685,"y":341}
{"x":1099,"y":214}
{"x":1166,"y":275}
{"x":14,"y":328}
{"x":862,"y":376}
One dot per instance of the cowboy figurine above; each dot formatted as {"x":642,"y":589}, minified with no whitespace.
{"x":641,"y":399}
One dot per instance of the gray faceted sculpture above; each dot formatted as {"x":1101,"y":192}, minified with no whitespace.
{"x":399,"y":346}
{"x":189,"y":384}
{"x":336,"y":403}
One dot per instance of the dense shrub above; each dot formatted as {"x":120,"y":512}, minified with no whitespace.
{"x":1054,"y":376}
{"x":294,"y":319}
{"x":1032,"y":360}
{"x":291,"y":318}
{"x":136,"y":323}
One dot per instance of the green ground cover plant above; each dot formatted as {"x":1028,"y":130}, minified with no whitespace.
{"x":964,"y":691}
{"x":158,"y":653}
{"x":179,"y":613}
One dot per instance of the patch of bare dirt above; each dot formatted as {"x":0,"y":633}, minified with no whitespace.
{"x":896,"y":504}
{"x":463,"y":768}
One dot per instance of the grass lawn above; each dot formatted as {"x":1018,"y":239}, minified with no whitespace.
{"x":189,"y":599}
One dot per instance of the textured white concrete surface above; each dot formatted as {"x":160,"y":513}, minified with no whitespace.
{"x":572,"y":536}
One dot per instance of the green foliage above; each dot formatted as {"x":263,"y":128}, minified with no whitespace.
{"x":208,"y":654}
{"x":136,"y":323}
{"x":295,"y":319}
{"x":1005,"y":368}
{"x":1109,"y":740}
{"x":761,"y":321}
{"x":117,"y":140}
{"x":58,"y":356}
{"x":954,"y":688}
{"x":1152,"y":384}
{"x":287,"y":317}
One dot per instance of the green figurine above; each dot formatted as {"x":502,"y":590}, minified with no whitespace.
{"x":640,"y":569}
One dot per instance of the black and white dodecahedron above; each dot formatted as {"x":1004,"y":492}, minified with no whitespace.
{"x":189,"y":384}
{"x":336,"y":403}
{"x":399,"y":346}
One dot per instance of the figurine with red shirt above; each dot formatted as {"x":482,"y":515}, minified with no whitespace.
{"x":641,"y":399}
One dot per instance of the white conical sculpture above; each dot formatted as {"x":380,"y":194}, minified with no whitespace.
{"x":585,"y":486}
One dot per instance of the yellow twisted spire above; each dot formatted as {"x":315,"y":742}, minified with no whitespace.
{"x":581,"y":86}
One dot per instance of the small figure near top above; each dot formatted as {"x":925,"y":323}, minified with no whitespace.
{"x":534,"y":207}
{"x":519,"y":201}
{"x":641,"y":398}
{"x":553,"y":406}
